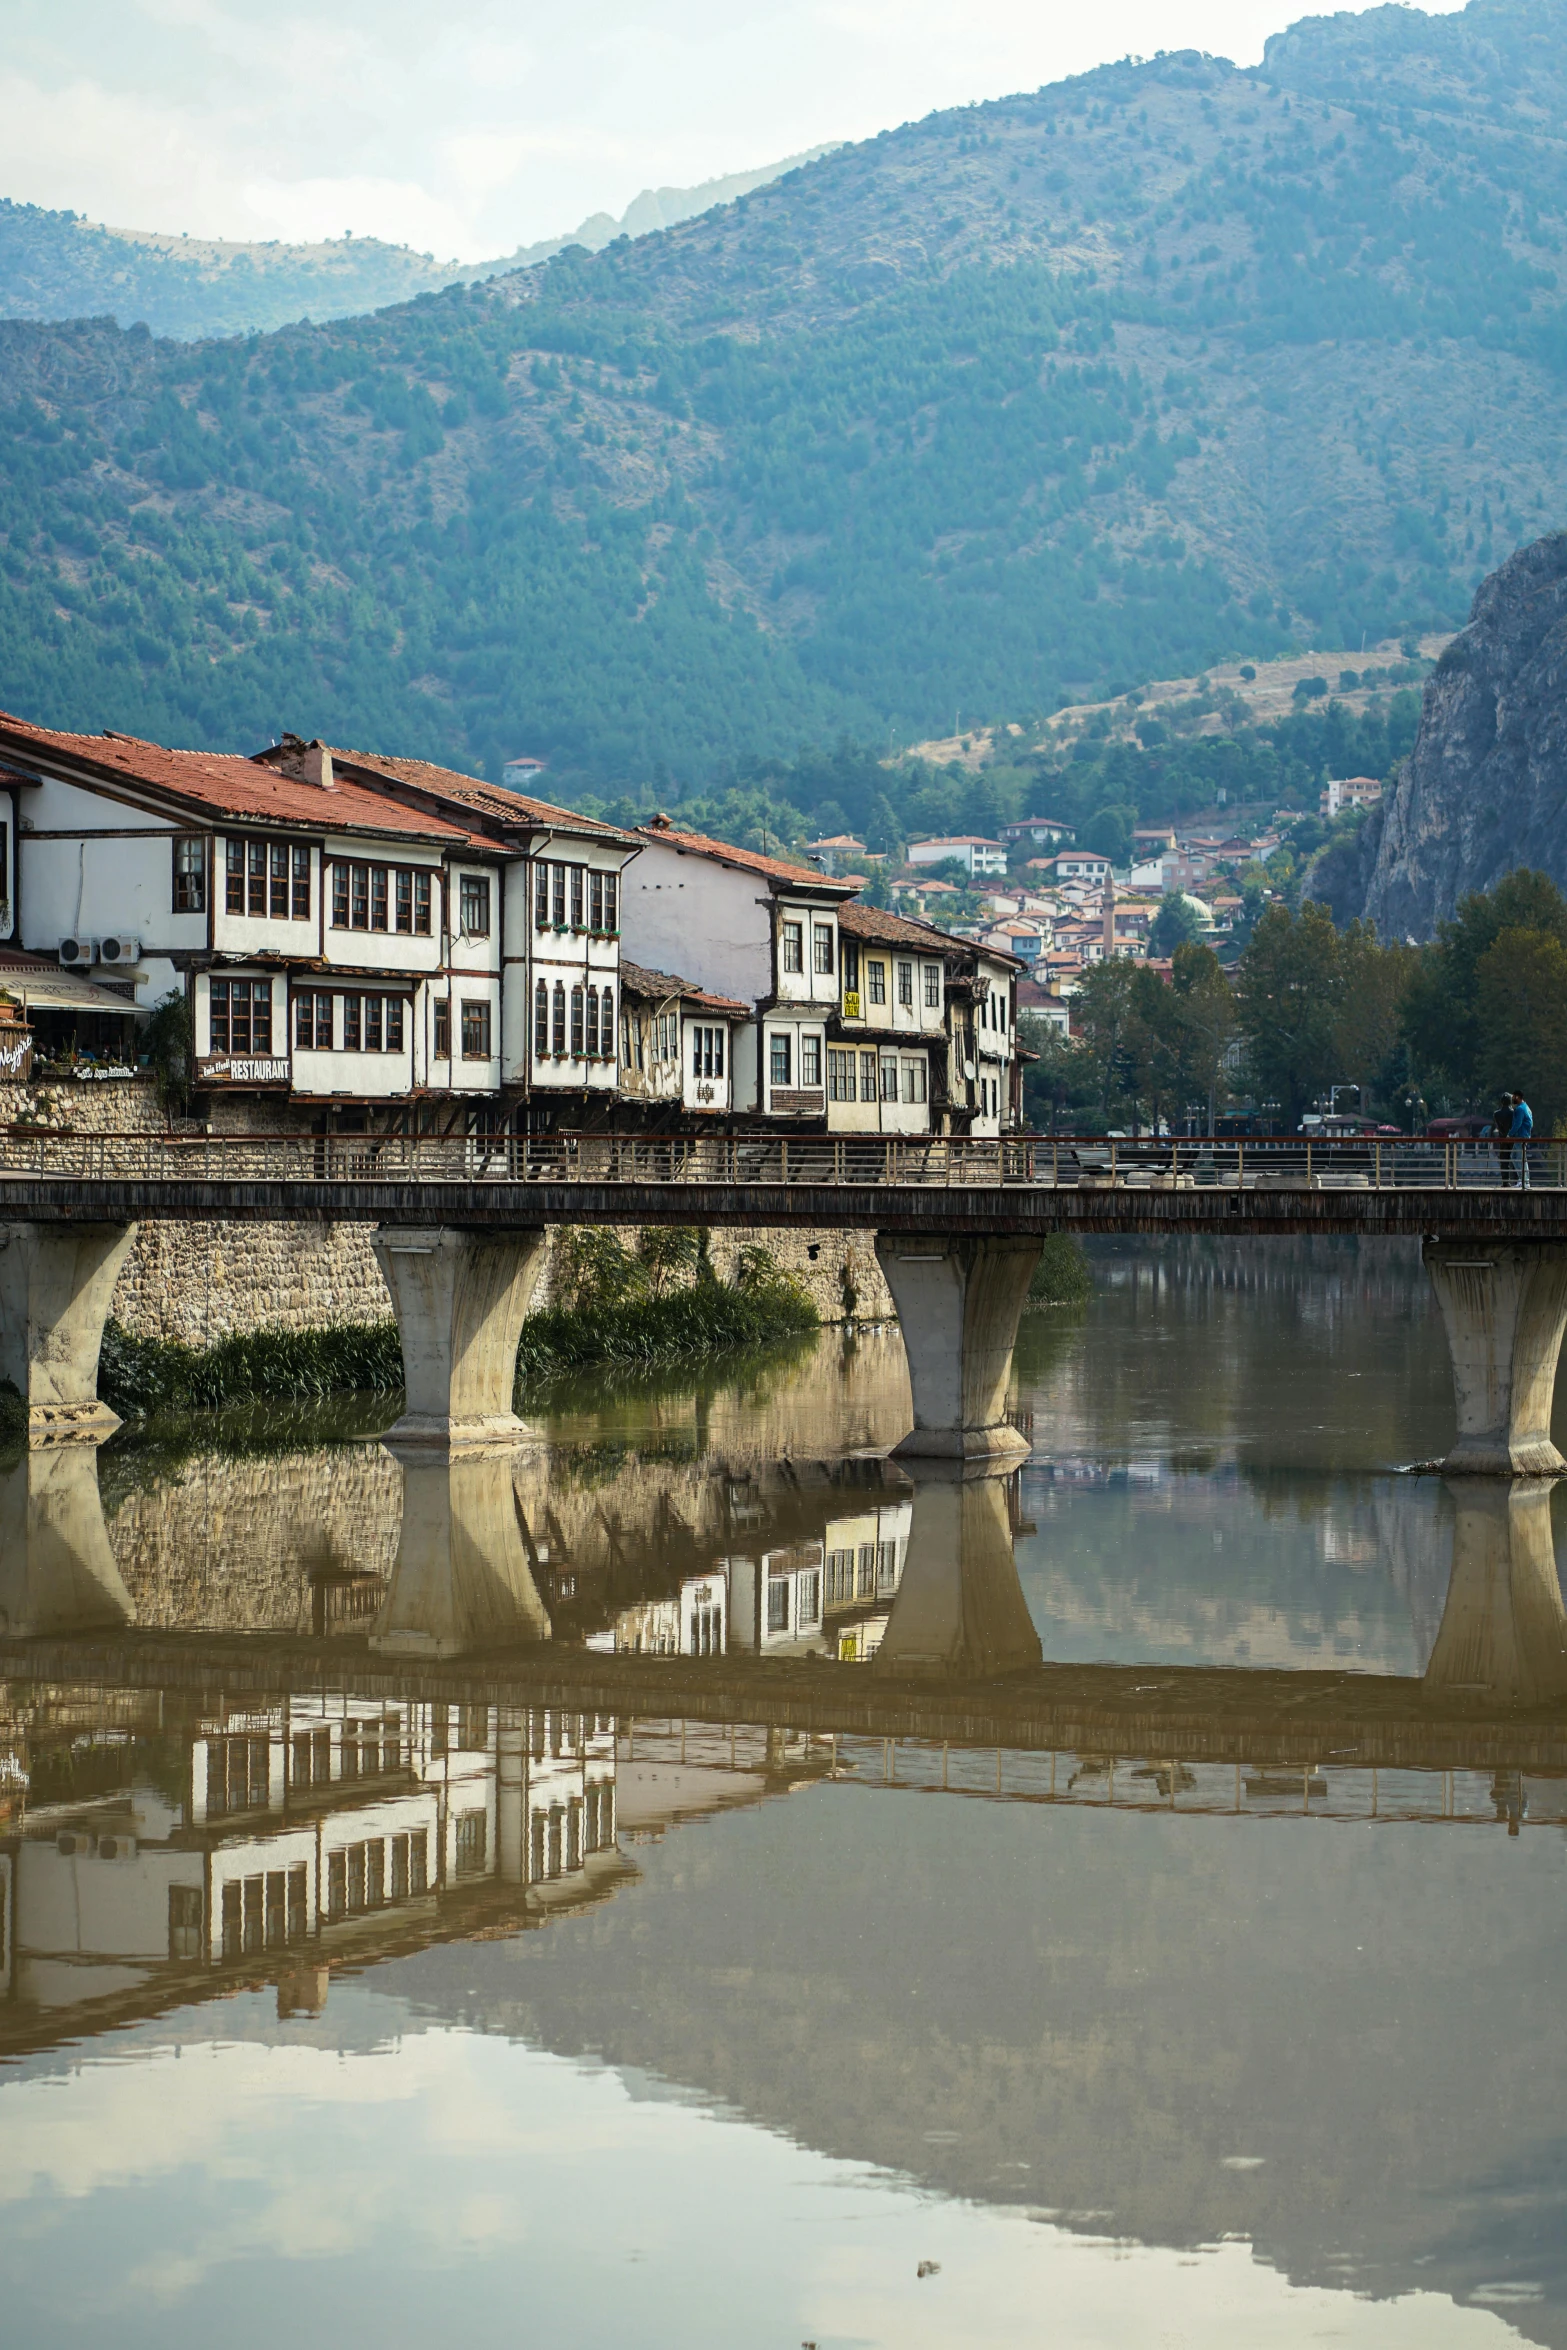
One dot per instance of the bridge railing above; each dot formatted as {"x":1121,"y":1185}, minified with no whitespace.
{"x":1065,"y":1162}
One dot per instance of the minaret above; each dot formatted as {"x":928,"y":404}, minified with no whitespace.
{"x":1109,"y":915}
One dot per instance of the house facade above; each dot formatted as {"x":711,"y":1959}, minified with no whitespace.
{"x":677,"y":1044}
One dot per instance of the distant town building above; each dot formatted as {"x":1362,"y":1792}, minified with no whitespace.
{"x":1040,"y":832}
{"x":836,"y":852}
{"x":970,"y":850}
{"x":1356,"y":791}
{"x":521,"y":774}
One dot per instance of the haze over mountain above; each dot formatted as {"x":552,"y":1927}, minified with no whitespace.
{"x":56,"y":265}
{"x":1040,"y":397}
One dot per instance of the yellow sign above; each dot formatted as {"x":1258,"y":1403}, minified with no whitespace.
{"x":851,"y":1004}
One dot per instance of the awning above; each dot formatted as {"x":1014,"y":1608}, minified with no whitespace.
{"x":49,"y":987}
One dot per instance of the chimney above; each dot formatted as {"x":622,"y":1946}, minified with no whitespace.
{"x":316,"y":766}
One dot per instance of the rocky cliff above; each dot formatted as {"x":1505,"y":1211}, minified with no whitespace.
{"x":1485,"y":789}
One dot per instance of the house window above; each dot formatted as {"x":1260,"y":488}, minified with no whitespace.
{"x":867,"y":1077}
{"x":374,"y":1024}
{"x":593,"y":1023}
{"x":313,"y":1022}
{"x":241,"y":1016}
{"x":933,"y":987}
{"x":423,"y":893}
{"x":889,"y":1081}
{"x":794,"y":946}
{"x":607,"y":1023}
{"x":906,"y":985}
{"x":876,"y":972}
{"x":576,"y":1023}
{"x":474,"y":905}
{"x":441,"y":1049}
{"x":780,"y":1057}
{"x":611,"y":901}
{"x":472,"y":1829}
{"x":777,"y":1603}
{"x":475,"y":1030}
{"x":378,"y":898}
{"x":256,"y":891}
{"x":578,"y":878}
{"x":821,"y":949}
{"x":541,"y":1016}
{"x":913,"y":1080}
{"x":840,"y":1076}
{"x":359,"y":897}
{"x":278,"y":867}
{"x":558,"y":1020}
{"x":405,"y":902}
{"x":851,"y":967}
{"x":339,"y":897}
{"x":300,"y":908}
{"x":810,"y":1060}
{"x":595,"y":901}
{"x":558,"y":896}
{"x":541,"y":895}
{"x":185,"y":1913}
{"x":353,"y":1024}
{"x":190,"y":875}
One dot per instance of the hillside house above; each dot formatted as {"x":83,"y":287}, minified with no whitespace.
{"x":886,"y":1048}
{"x":970,"y":850}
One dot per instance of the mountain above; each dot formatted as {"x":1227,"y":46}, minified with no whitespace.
{"x":1484,"y":787}
{"x":55,"y":265}
{"x":1028,"y":401}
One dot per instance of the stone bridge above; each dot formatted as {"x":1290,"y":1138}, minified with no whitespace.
{"x":958,"y":1224}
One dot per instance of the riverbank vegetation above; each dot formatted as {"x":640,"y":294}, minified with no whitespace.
{"x":658,"y":1301}
{"x":1062,"y":1276}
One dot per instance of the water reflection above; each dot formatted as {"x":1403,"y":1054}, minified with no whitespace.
{"x":1157,"y":1847}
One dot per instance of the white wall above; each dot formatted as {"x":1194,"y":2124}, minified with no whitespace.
{"x":700,"y":921}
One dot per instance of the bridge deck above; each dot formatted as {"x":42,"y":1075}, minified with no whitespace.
{"x":1181,"y":1713}
{"x":1018,"y":1185}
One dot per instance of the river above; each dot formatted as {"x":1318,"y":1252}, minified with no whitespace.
{"x":694,"y":1883}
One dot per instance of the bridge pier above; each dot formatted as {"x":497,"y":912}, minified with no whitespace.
{"x":959,"y":1607}
{"x":1503,"y":1634}
{"x":460,"y":1297}
{"x":958,"y":1301}
{"x":57,"y":1570}
{"x":56,"y":1282}
{"x":1505,"y":1307}
{"x":462,"y":1580}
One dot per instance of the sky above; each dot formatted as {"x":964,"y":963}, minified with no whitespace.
{"x":475,"y":126}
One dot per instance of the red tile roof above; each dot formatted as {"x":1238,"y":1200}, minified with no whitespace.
{"x":664,"y":987}
{"x":858,"y":920}
{"x":697,"y":844}
{"x":220,"y":783}
{"x":495,"y":802}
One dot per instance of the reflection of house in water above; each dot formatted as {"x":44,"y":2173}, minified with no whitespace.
{"x":322,"y":1829}
{"x":864,"y":1565}
{"x":693,"y":1622}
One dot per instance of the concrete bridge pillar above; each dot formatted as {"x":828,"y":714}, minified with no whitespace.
{"x":460,"y":1298}
{"x":1503,"y":1634}
{"x":959,"y":1607}
{"x":461,"y":1581}
{"x":1505,"y":1307}
{"x":56,"y":1282}
{"x":57,"y":1571}
{"x":958,"y":1301}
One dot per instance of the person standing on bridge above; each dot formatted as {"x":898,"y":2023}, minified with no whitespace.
{"x":1500,"y":1131}
{"x":1519,"y":1132}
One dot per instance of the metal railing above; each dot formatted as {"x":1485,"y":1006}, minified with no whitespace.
{"x":1039,"y":1162}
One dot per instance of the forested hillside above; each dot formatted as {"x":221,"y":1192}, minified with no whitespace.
{"x":1029,"y":400}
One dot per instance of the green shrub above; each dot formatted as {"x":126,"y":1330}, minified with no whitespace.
{"x":140,"y":1376}
{"x":1062,"y":1276}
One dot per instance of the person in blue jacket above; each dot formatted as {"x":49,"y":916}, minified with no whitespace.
{"x":1519,"y":1132}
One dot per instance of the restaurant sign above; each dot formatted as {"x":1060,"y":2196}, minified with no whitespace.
{"x":236,"y":1069}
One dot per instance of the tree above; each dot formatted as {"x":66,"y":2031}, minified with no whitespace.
{"x":1177,"y":923}
{"x":1058,"y":1078}
{"x":1374,"y":981}
{"x":1205,"y":1008}
{"x":1521,"y":1003}
{"x":1442,"y":1019}
{"x":168,"y":1042}
{"x":1107,"y":1011}
{"x":1289,"y":996}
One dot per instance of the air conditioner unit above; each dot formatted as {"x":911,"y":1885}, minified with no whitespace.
{"x":75,"y":1843}
{"x":74,"y":952}
{"x":119,"y":950}
{"x":117,"y":1847}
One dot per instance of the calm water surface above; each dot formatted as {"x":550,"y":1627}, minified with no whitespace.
{"x":385,"y":1958}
